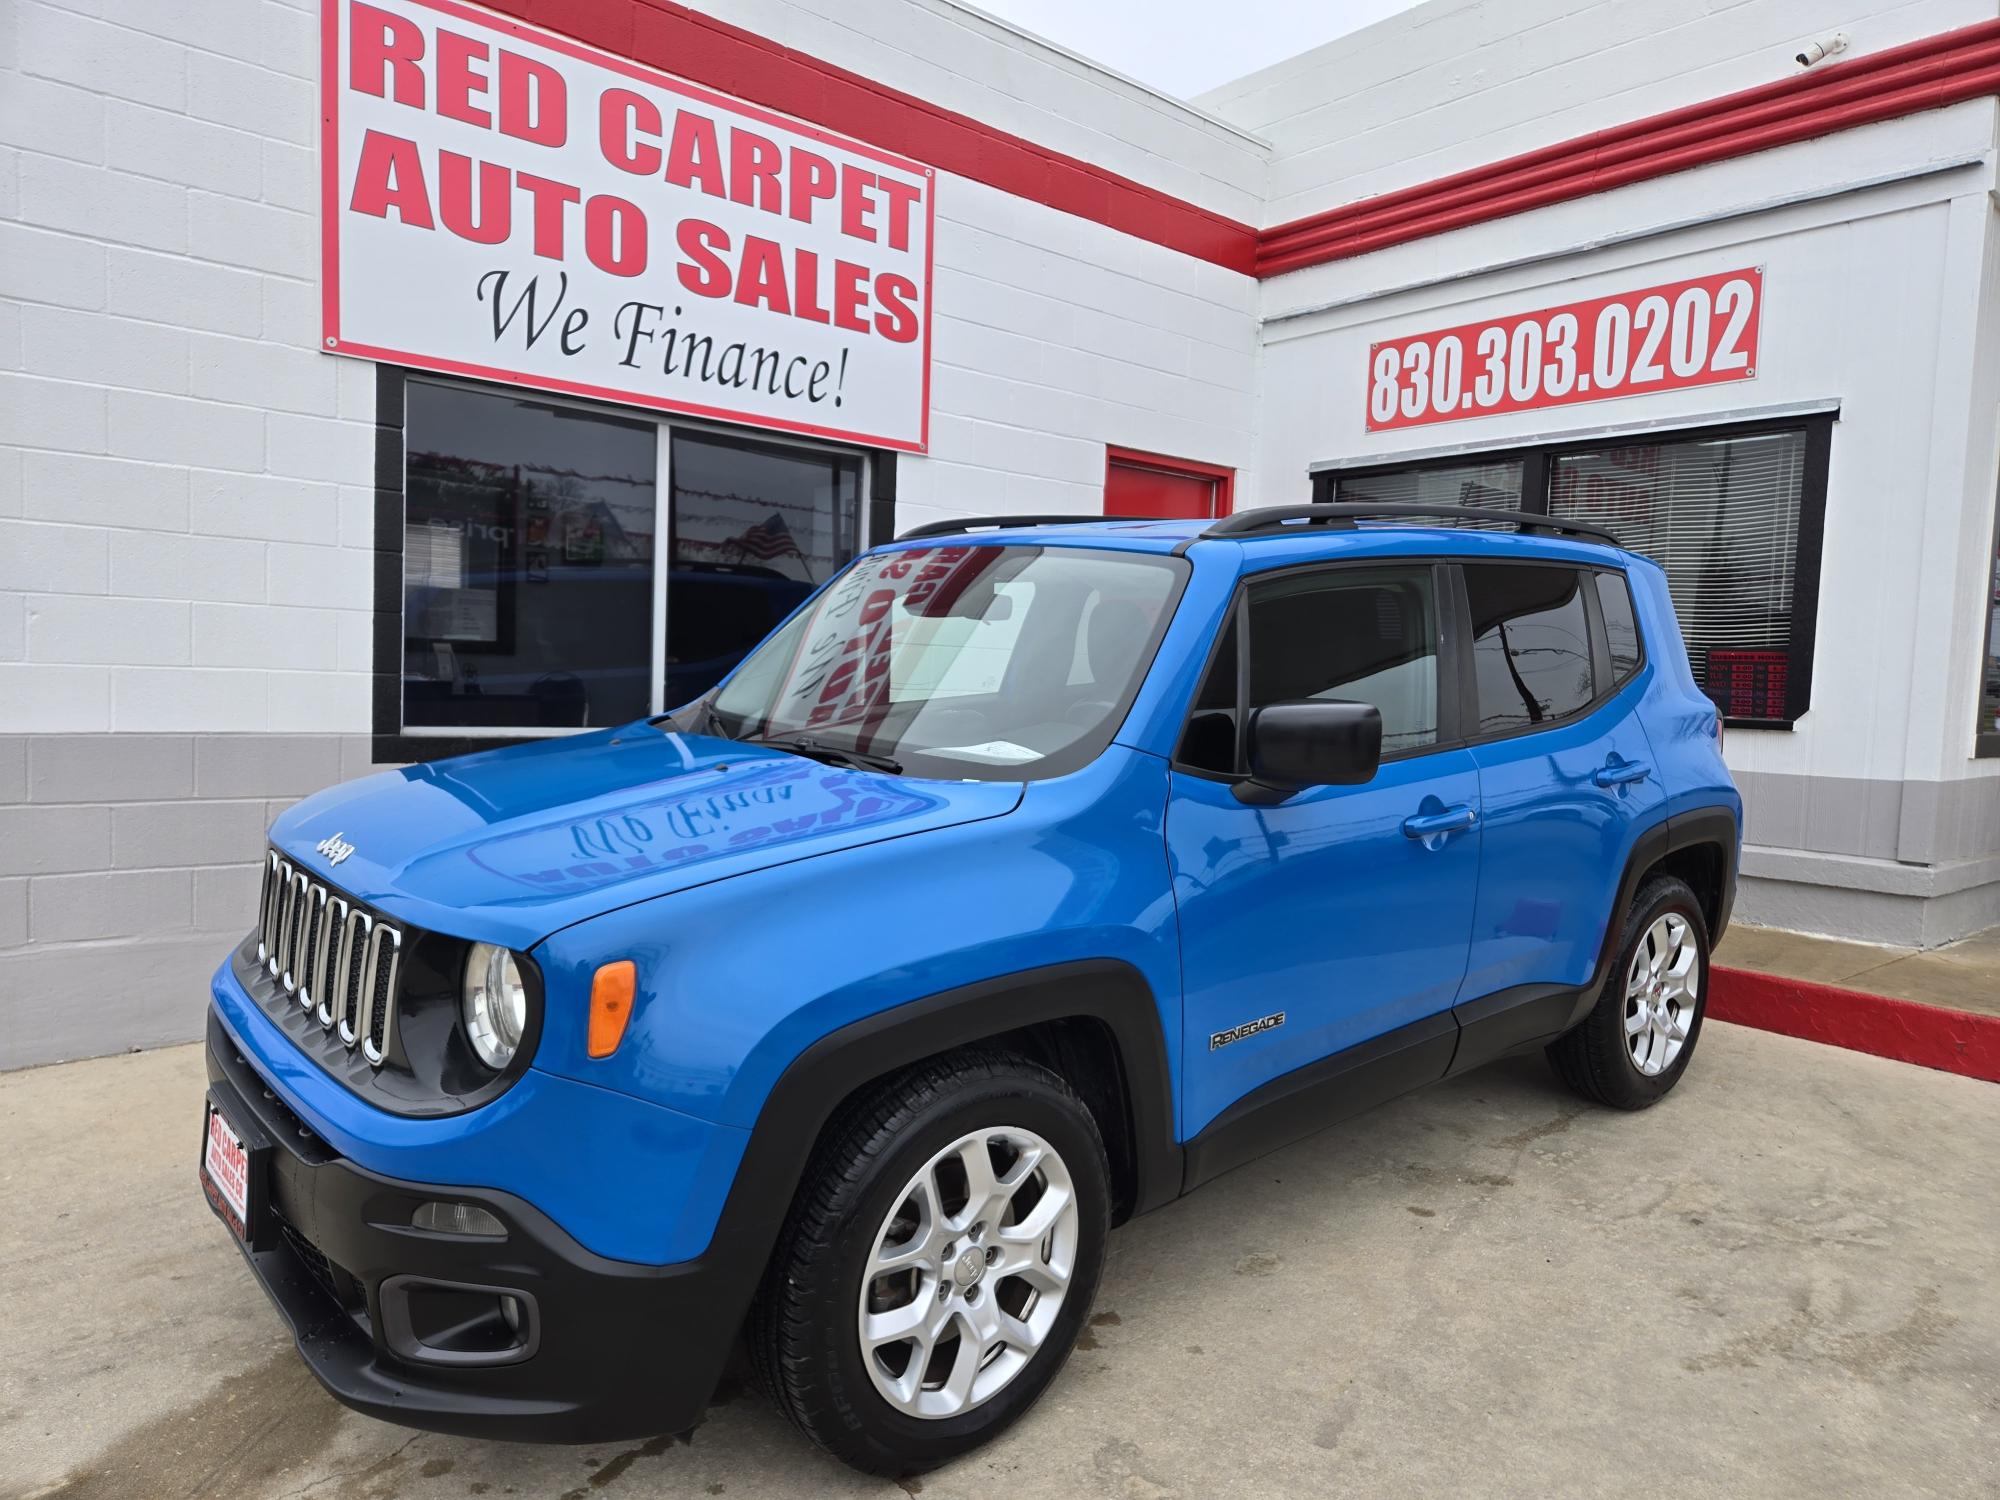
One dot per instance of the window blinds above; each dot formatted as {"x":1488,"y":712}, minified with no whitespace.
{"x":1721,"y":515}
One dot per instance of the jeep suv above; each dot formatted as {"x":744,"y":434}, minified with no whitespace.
{"x":1028,"y":876}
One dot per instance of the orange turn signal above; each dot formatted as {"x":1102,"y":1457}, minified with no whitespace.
{"x":611,"y":1005}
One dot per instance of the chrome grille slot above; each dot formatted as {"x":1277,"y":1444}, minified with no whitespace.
{"x":339,"y":961}
{"x":295,"y":930}
{"x":280,"y":940}
{"x":326,"y":958}
{"x":267,"y":895}
{"x":312,"y":934}
{"x":353,"y":960}
{"x":378,"y":991}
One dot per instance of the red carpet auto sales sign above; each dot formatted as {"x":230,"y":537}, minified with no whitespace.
{"x":505,"y":203}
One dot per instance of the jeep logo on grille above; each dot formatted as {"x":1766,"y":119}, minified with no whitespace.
{"x":334,"y":847}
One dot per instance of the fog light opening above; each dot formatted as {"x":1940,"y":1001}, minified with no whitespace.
{"x":452,"y":1323}
{"x":467,"y":1219}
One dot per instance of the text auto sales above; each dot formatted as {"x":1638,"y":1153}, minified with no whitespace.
{"x":527,"y":101}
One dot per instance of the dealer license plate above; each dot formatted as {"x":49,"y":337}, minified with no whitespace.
{"x":225,"y":1163}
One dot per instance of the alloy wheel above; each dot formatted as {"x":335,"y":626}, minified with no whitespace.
{"x":1661,"y":989}
{"x":968,"y":1272}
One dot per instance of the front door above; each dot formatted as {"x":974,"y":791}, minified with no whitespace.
{"x":1566,"y":777}
{"x":1341,"y":915}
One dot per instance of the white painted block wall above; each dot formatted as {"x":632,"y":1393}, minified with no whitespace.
{"x":185,"y":502}
{"x":1455,"y":84}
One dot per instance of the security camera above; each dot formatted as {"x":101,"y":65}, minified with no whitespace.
{"x":1821,"y":50}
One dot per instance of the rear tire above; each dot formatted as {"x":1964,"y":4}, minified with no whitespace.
{"x":937,"y":1264}
{"x":1637,"y":1041}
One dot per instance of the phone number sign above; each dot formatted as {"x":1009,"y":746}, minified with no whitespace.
{"x":1661,"y":338}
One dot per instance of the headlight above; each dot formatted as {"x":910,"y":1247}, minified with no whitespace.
{"x":495,"y":1003}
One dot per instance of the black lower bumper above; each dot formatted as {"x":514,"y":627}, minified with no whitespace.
{"x":395,"y":1321}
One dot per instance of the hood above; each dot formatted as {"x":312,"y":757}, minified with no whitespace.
{"x":510,"y":845}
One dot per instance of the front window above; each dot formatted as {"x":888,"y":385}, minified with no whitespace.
{"x":567,"y":568}
{"x":966,"y":661}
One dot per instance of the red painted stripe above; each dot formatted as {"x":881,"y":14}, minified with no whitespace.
{"x":1921,"y":75}
{"x":731,"y":60}
{"x":1953,"y":1041}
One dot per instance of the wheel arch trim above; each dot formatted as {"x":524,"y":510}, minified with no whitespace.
{"x":1713,"y":827}
{"x":816,"y":1082}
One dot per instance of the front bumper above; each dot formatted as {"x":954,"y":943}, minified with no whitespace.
{"x":608,"y":1350}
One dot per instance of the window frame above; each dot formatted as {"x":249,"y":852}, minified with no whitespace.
{"x":1603,"y":687}
{"x":1538,"y":464}
{"x":391,"y":741}
{"x":1457,"y":679}
{"x":1450,"y":690}
{"x":1986,"y":740}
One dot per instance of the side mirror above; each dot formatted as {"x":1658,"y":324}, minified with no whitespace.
{"x":1311,"y":742}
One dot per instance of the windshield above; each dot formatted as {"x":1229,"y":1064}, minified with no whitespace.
{"x":980,"y":662}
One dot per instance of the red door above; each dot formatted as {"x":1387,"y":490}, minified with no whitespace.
{"x":1146,"y":484}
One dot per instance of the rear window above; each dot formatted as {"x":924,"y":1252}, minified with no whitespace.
{"x":1530,"y":644}
{"x":1621,"y":626}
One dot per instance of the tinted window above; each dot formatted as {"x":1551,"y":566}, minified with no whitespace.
{"x":1209,"y":742}
{"x":755,"y":528}
{"x":1621,"y":628}
{"x":1530,"y":644}
{"x":527,"y":563}
{"x":1362,"y":635}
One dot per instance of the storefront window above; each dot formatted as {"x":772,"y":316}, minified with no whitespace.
{"x":1722,"y":516}
{"x":1989,"y":668}
{"x":531,"y":588}
{"x":756,"y":528}
{"x":1734,"y":517}
{"x":527,"y":563}
{"x":1496,"y":484}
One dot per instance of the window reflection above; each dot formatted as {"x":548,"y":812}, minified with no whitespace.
{"x":1989,"y":677}
{"x":1530,"y":644}
{"x":527,"y":563}
{"x":756,"y":528}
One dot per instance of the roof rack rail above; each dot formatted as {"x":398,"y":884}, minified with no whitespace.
{"x":1280,"y":520}
{"x":1007,"y":523}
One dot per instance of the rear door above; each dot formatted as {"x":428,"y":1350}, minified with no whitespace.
{"x":1566,"y":776}
{"x":1343,"y":914}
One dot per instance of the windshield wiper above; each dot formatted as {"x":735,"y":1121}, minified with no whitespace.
{"x":800,"y":744}
{"x":707,"y":720}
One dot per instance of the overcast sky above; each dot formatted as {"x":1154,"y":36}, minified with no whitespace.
{"x":1186,"y":46}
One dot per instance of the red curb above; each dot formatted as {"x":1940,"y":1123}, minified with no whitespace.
{"x":1931,"y":1036}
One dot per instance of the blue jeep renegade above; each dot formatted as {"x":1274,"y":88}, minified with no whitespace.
{"x":1029,"y":875}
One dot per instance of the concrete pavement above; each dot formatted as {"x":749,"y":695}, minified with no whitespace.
{"x":1783,"y":1281}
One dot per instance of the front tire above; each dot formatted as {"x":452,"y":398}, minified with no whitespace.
{"x":938,"y":1262}
{"x":1636,"y":1042}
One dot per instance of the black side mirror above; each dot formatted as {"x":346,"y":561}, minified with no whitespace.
{"x":1310,"y":742}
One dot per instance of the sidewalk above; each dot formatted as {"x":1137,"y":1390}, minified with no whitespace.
{"x":1940,"y":1009}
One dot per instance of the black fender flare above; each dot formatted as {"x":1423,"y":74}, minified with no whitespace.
{"x":813,"y":1085}
{"x":1705,"y":826}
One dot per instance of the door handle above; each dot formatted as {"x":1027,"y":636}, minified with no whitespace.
{"x":1454,"y":819}
{"x":1623,"y":773}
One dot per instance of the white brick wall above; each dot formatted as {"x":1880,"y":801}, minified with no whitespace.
{"x":180,"y":458}
{"x":1455,"y":84}
{"x":171,"y":434}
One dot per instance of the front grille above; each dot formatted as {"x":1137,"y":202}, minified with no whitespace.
{"x":336,"y":958}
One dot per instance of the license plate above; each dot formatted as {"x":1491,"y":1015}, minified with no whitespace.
{"x":225,"y":1170}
